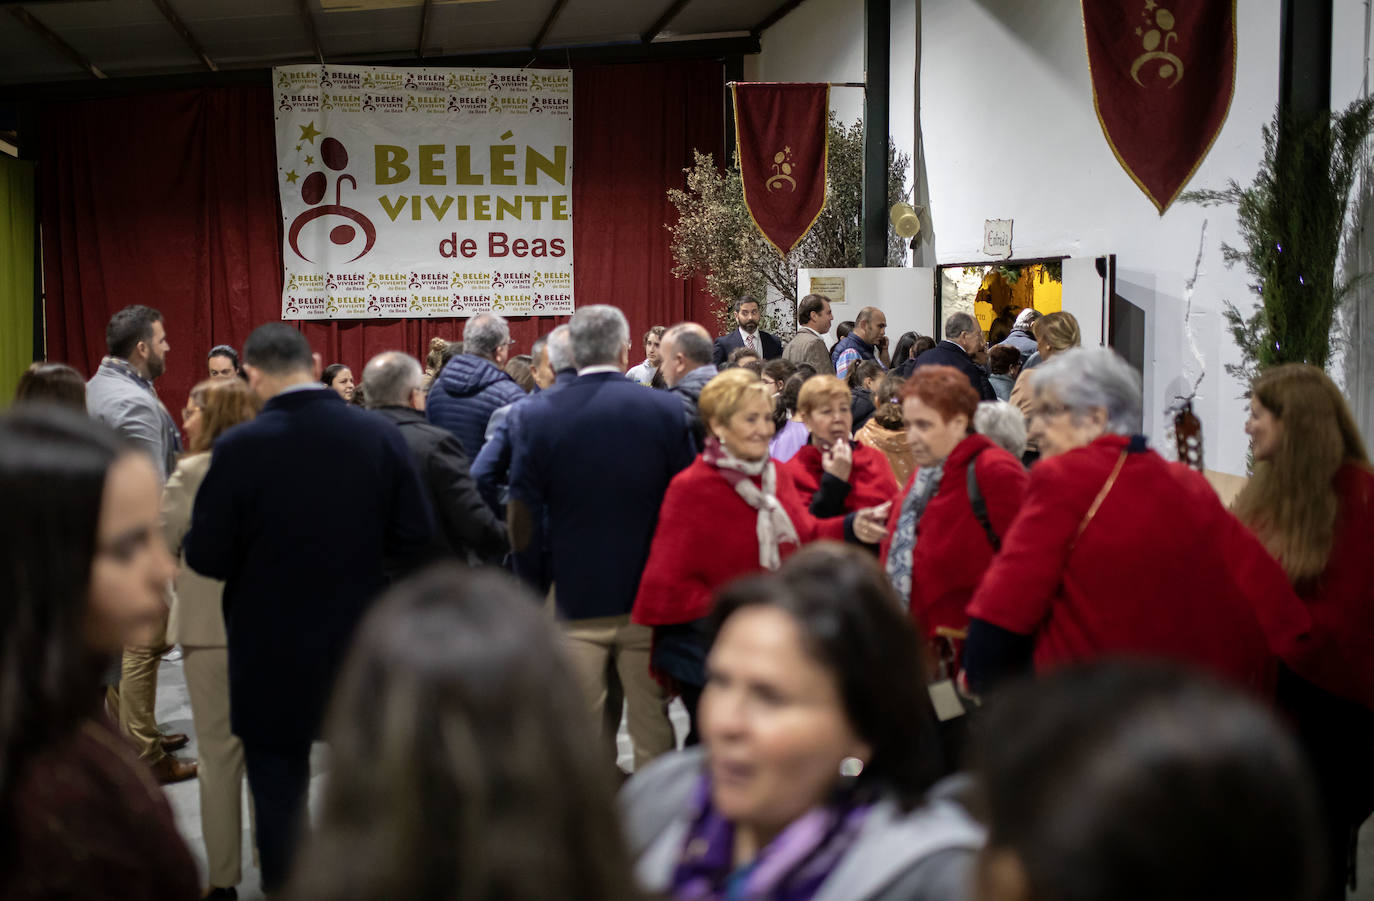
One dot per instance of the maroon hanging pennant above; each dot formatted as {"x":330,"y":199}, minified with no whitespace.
{"x":782,"y":142}
{"x":1163,"y":75}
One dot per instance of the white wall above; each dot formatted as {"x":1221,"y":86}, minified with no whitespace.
{"x":1011,"y":133}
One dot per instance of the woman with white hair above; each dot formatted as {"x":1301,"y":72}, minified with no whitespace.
{"x":1003,"y":424}
{"x":1118,"y":552}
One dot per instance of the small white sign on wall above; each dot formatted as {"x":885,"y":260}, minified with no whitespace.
{"x":997,"y":238}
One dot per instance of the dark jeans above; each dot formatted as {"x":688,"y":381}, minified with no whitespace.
{"x":279,"y":780}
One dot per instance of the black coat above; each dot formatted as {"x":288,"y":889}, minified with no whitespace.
{"x":298,"y":513}
{"x":726,"y":344}
{"x":466,"y":526}
{"x":947,"y":353}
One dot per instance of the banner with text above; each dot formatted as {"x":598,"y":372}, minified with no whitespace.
{"x":424,"y":192}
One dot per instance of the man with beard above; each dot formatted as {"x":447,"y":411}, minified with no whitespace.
{"x":121,"y":395}
{"x":749,"y":335}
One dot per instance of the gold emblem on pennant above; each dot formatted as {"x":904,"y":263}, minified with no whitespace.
{"x":782,"y":171}
{"x":1155,"y":41}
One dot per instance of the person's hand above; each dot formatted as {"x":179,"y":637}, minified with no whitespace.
{"x":870,"y":523}
{"x":838,"y":460}
{"x":882,"y":343}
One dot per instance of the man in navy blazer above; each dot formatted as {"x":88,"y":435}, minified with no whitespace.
{"x":593,"y":464}
{"x":747,"y":315}
{"x":297,"y":514}
{"x":963,"y":337}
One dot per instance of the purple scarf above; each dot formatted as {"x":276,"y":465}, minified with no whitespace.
{"x":791,"y":868}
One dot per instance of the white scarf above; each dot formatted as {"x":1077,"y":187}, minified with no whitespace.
{"x":773,"y":526}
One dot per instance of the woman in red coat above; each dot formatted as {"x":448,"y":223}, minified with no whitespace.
{"x":727,"y":515}
{"x":1118,"y":552}
{"x":1311,"y":501}
{"x":939,"y":572}
{"x":832,"y":474}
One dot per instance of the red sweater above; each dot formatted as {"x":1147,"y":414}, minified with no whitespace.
{"x":1340,"y":656}
{"x":871,"y":481}
{"x":1162,"y":570}
{"x":706,"y":537}
{"x":953,"y":551}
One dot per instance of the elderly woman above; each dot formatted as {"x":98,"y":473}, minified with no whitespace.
{"x":197,"y":624}
{"x":729,"y":514}
{"x":1118,"y":552}
{"x":1311,"y":501}
{"x":831,"y":474}
{"x":959,"y":504}
{"x":819,"y":754}
{"x":1054,"y":334}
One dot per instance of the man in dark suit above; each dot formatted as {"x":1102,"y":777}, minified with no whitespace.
{"x":297,"y":514}
{"x":963,"y":338}
{"x":586,"y":480}
{"x":749,"y":335}
{"x":466,"y":527}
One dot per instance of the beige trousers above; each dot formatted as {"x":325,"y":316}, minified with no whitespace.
{"x":592,"y":645}
{"x":138,"y":696}
{"x":221,"y":762}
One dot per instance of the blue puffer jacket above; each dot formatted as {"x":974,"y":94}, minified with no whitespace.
{"x":464,"y":396}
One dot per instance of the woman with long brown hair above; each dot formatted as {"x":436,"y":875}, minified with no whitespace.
{"x":1311,"y":502}
{"x":197,"y":624}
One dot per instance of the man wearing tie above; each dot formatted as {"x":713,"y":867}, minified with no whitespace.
{"x":749,"y":335}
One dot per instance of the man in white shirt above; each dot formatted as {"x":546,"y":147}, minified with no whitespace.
{"x":643,"y":374}
{"x":808,"y":346}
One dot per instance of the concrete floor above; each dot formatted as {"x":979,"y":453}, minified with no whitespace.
{"x":174,"y":714}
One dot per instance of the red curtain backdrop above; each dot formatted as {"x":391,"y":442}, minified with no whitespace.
{"x":170,"y":200}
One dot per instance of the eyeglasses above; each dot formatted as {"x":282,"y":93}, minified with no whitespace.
{"x":1048,"y":411}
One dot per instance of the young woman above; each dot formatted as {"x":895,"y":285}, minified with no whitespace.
{"x":196,"y":624}
{"x":1311,"y":502}
{"x":340,"y":378}
{"x":462,"y":764}
{"x":83,"y":575}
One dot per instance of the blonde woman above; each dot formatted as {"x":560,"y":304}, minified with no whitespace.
{"x":1311,"y":502}
{"x":1054,"y":333}
{"x":197,"y":624}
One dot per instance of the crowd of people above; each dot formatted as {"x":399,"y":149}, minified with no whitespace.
{"x":943,"y":625}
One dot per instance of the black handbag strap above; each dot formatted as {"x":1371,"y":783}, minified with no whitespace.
{"x":980,"y":506}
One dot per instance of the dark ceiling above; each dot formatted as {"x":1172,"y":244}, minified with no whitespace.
{"x":72,"y":40}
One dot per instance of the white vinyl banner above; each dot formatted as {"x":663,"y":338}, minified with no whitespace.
{"x":425,"y":192}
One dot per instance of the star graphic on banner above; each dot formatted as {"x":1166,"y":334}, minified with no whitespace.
{"x":1150,"y":4}
{"x":292,"y":176}
{"x":298,"y":148}
{"x":1138,"y":33}
{"x":309,"y":132}
{"x":310,"y":161}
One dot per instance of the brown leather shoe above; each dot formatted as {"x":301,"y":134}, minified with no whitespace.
{"x":170,"y":769}
{"x":175,"y":741}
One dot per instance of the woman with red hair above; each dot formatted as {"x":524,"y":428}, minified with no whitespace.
{"x":832,"y":474}
{"x":959,"y":503}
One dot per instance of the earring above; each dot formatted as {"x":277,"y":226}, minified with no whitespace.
{"x":851,"y":768}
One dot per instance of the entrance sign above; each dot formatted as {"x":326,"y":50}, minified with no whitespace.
{"x":424,"y":192}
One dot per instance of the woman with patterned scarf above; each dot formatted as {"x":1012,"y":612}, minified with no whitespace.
{"x":727,"y":515}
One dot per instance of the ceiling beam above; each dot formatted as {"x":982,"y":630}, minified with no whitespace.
{"x":52,"y":37}
{"x":775,"y":16}
{"x":549,"y":21}
{"x":424,"y":29}
{"x":668,"y":16}
{"x":180,"y":28}
{"x":303,"y":7}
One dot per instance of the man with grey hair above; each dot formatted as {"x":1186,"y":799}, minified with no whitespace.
{"x":687,"y":367}
{"x":963,"y":338}
{"x":553,"y":370}
{"x":473,"y":385}
{"x":466,"y":528}
{"x":587,"y":478}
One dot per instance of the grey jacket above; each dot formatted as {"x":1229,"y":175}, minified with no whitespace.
{"x":925,"y":855}
{"x":688,"y":390}
{"x":808,"y":347}
{"x":134,"y":411}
